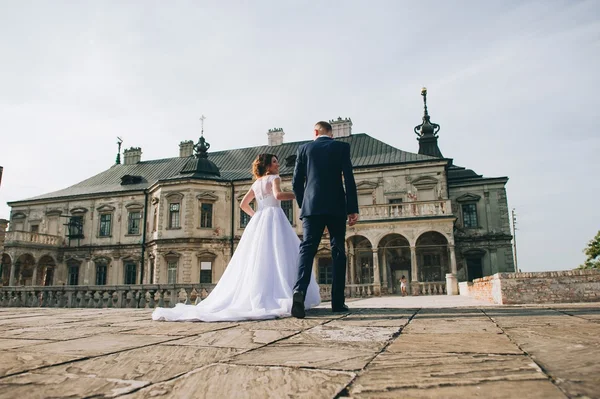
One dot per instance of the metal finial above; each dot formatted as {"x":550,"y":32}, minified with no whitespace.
{"x":427,"y":128}
{"x":202,"y":118}
{"x":424,"y":94}
{"x":119,"y":142}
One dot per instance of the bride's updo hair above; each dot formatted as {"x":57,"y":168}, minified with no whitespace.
{"x":261,"y":164}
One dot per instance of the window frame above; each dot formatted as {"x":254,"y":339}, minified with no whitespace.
{"x":206,"y":222}
{"x":126,"y":271}
{"x":290,"y":209}
{"x":100,"y":224}
{"x":130,"y":220}
{"x":473,"y":214}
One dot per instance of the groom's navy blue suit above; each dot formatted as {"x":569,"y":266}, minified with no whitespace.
{"x":323,"y":202}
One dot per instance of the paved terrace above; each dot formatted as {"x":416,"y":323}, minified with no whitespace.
{"x":391,"y":347}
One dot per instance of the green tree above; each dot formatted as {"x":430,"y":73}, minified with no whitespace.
{"x":592,"y":251}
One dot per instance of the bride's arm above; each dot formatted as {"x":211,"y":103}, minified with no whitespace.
{"x":280,"y":195}
{"x":245,"y":205}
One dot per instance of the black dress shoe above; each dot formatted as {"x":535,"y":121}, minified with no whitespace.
{"x":342,"y":308}
{"x":298,"y":305}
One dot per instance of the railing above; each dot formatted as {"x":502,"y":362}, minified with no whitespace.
{"x":406,"y":210}
{"x":428,"y":288}
{"x":33,"y":238}
{"x":360,"y":290}
{"x":112,"y":296}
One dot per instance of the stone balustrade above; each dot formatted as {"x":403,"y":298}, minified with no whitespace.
{"x":112,"y":296}
{"x":428,"y":288}
{"x":360,"y":290}
{"x":33,"y":238}
{"x":405,"y":210}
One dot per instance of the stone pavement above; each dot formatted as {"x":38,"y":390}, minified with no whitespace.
{"x":390,"y":347}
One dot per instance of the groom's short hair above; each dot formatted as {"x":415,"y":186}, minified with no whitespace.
{"x":324,"y":127}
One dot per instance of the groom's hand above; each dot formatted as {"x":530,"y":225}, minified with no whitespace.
{"x":352,"y":219}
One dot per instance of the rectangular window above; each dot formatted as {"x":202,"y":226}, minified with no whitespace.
{"x":395,"y":201}
{"x":155,"y":220}
{"x":133,"y":222}
{"x":288,"y":209}
{"x":325,"y":271}
{"x":101,"y":274}
{"x":73,"y":275}
{"x":206,"y":212}
{"x":130,"y":273}
{"x":174,"y":222}
{"x":105,"y":225}
{"x":75,"y":227}
{"x":205,"y":272}
{"x":172,"y":272}
{"x":470,"y":215}
{"x":244,"y":217}
{"x":35,"y":228}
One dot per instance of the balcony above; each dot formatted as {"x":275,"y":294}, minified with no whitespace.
{"x":27,"y":238}
{"x":406,"y":210}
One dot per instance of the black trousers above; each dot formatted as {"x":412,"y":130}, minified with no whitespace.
{"x":313,"y":227}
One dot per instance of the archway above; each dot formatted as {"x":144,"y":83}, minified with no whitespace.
{"x":432,"y":257}
{"x":5,"y":265}
{"x":361,"y":260}
{"x":24,"y":267}
{"x":46,"y":268}
{"x":394,"y":257}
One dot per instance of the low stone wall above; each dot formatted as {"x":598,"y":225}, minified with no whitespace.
{"x":536,"y":287}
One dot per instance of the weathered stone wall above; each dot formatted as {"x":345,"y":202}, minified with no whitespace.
{"x":539,"y":287}
{"x":3,"y":225}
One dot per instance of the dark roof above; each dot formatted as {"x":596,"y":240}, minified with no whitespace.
{"x":233,"y":165}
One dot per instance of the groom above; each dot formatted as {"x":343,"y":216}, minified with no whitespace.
{"x":319,"y":190}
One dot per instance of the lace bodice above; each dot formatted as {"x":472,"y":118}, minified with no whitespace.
{"x":263,"y":191}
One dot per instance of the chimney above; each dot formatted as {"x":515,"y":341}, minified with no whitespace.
{"x":341,"y":127}
{"x":132,"y":156}
{"x":186,"y":149}
{"x":275,"y":136}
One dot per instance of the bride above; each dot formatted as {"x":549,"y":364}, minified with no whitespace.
{"x":258,"y":282}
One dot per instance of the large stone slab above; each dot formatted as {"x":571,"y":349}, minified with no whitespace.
{"x":313,"y":356}
{"x":61,"y":332}
{"x":489,"y":390}
{"x":395,"y":370}
{"x":177,"y":329}
{"x":241,"y":382}
{"x":569,"y":354}
{"x":454,"y":343}
{"x":151,"y":363}
{"x":452,"y":326}
{"x":16,"y":361}
{"x":99,"y":344}
{"x":288,"y":323}
{"x":234,"y":338}
{"x":44,"y":386}
{"x":20,"y":343}
{"x":328,"y":335}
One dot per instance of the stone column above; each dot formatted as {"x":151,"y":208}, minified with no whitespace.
{"x":316,"y":268}
{"x":352,"y":261}
{"x":384,"y":270}
{"x":34,"y":276}
{"x":413,"y":264}
{"x":451,"y":280}
{"x":11,"y":281}
{"x":376,"y":277}
{"x":87,"y":267}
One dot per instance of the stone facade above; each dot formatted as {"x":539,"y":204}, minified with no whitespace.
{"x":539,"y":287}
{"x":413,"y":222}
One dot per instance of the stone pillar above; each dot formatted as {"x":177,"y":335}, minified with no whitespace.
{"x":11,"y":281}
{"x":451,"y":280}
{"x":376,"y":277}
{"x":413,"y":265}
{"x":316,"y":268}
{"x":352,"y":260}
{"x":385,"y":274}
{"x":34,"y":276}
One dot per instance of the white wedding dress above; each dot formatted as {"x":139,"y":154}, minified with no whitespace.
{"x":258,"y":282}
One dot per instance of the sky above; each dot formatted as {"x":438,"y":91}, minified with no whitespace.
{"x":513,"y":84}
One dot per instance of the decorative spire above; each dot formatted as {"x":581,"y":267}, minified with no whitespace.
{"x":427,"y":132}
{"x":202,"y":146}
{"x":119,"y":142}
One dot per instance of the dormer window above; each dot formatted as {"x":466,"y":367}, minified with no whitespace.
{"x":131,"y":179}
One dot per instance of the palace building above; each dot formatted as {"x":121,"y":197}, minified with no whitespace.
{"x":177,"y":220}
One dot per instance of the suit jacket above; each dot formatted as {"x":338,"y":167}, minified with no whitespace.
{"x":317,"y":180}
